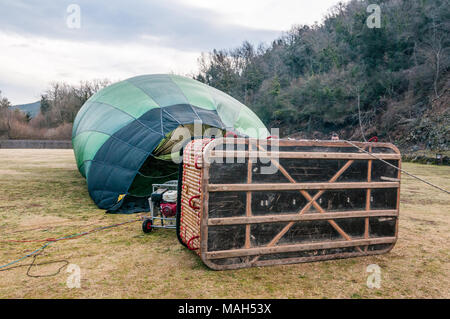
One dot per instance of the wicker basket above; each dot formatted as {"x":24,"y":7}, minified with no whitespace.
{"x":248,"y":202}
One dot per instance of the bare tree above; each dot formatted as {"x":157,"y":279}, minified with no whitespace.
{"x":435,"y":49}
{"x":61,"y":102}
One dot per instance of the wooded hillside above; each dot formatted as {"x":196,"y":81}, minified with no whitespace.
{"x":310,"y":81}
{"x":313,"y":79}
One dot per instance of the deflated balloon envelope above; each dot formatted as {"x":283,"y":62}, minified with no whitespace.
{"x":124,"y":135}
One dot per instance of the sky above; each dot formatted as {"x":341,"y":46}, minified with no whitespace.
{"x":47,"y":41}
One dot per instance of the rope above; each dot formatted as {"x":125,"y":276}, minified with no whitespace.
{"x":164,"y":176}
{"x":397,"y":168}
{"x":26,"y":256}
{"x":49,"y":241}
{"x":33,"y":263}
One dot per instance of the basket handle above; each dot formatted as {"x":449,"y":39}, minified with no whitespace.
{"x":191,"y":204}
{"x":196,"y":162}
{"x":232,"y":133}
{"x":188,"y":244}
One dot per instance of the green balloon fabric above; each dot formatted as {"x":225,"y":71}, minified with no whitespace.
{"x":117,"y":130}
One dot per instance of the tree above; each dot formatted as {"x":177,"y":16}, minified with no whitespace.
{"x":4,"y":102}
{"x":5,"y":115}
{"x":61,"y":102}
{"x":435,"y":49}
{"x":314,"y":78}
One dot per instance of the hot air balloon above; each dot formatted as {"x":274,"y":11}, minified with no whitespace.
{"x":124,"y":136}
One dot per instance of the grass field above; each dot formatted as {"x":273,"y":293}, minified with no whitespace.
{"x":42,"y":195}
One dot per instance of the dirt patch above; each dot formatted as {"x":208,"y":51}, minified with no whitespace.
{"x":35,"y":205}
{"x":10,"y":172}
{"x":39,"y":221}
{"x":422,"y":221}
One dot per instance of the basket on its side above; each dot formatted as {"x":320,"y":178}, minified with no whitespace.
{"x":248,"y":202}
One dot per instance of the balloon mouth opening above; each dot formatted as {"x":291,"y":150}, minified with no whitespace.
{"x":153,"y":171}
{"x":163,"y":164}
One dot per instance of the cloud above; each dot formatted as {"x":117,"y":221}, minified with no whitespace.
{"x":172,"y":23}
{"x":277,"y":15}
{"x":23,"y":76}
{"x":120,"y":39}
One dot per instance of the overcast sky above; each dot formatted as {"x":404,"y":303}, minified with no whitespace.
{"x":120,"y":39}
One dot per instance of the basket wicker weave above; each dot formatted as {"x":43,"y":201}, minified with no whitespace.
{"x":189,"y":229}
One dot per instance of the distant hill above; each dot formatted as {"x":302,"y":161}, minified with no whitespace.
{"x":31,"y":108}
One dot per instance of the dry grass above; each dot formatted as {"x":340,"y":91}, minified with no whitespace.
{"x":42,"y":195}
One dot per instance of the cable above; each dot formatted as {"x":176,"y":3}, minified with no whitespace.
{"x":65,"y":261}
{"x":371,"y":154}
{"x":49,"y":241}
{"x":401,"y":170}
{"x":156,"y":177}
{"x":359,"y":117}
{"x":33,"y":263}
{"x":26,"y":256}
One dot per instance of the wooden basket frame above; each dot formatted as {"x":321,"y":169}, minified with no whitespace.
{"x":252,"y":254}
